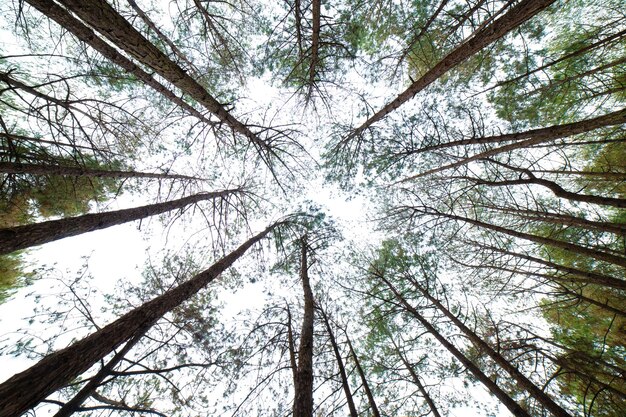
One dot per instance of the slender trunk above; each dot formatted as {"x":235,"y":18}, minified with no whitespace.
{"x":94,"y":382}
{"x":26,"y":389}
{"x":578,"y":275}
{"x":527,"y":139}
{"x":570,"y":55}
{"x":416,"y":380}
{"x":517,"y":15}
{"x":76,"y":171}
{"x":303,"y":384}
{"x":21,"y":237}
{"x":556,"y":189}
{"x":565,"y":291}
{"x":537,"y":136}
{"x":342,"y":369}
{"x":563,"y":219}
{"x":600,"y":175}
{"x":101,"y":16}
{"x":521,"y":379}
{"x":504,"y":398}
{"x":366,"y":385}
{"x":422,"y":31}
{"x":86,"y":35}
{"x":570,"y":247}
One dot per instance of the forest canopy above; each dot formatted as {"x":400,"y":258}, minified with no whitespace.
{"x":363,"y":208}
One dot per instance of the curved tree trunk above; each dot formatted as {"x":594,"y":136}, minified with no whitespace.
{"x":26,"y":389}
{"x":366,"y":385}
{"x":21,"y":237}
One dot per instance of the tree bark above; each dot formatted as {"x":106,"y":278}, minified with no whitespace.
{"x":570,"y":247}
{"x":530,"y":138}
{"x":366,"y":385}
{"x":94,"y":382}
{"x":21,"y":237}
{"x":303,"y":384}
{"x":26,"y":389}
{"x":504,"y":398}
{"x":517,"y":15}
{"x":85,"y":34}
{"x":101,"y":16}
{"x":342,"y":369}
{"x":77,"y":171}
{"x":521,"y":379}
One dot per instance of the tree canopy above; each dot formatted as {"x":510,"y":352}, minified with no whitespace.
{"x":385,"y":208}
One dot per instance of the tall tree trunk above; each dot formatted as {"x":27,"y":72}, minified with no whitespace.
{"x":570,"y":247}
{"x":303,"y":384}
{"x":85,"y":34}
{"x":77,"y":171}
{"x":105,"y":19}
{"x":94,"y":382}
{"x":504,"y":398}
{"x":521,"y":379}
{"x":577,"y":275}
{"x":366,"y":385}
{"x":21,"y":237}
{"x":26,"y":389}
{"x":342,"y":369}
{"x":517,"y":15}
{"x":416,"y":380}
{"x":536,"y":136}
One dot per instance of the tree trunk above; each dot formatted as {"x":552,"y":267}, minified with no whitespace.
{"x":85,"y":34}
{"x":26,"y":389}
{"x":366,"y":385}
{"x":303,"y":384}
{"x":342,"y":369}
{"x":570,"y":247}
{"x":21,"y":237}
{"x":517,"y":15}
{"x":504,"y":398}
{"x":77,"y":171}
{"x":536,"y":136}
{"x":416,"y":380}
{"x":521,"y":379}
{"x":94,"y":382}
{"x":101,"y":16}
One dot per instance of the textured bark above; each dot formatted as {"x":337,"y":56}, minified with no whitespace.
{"x":85,"y":34}
{"x":539,"y":395}
{"x":517,"y":15}
{"x":94,"y":382}
{"x":531,"y":138}
{"x":316,"y":6}
{"x":106,"y":20}
{"x":303,"y":384}
{"x":493,"y":387}
{"x":340,"y":365}
{"x":570,"y":247}
{"x":41,"y":169}
{"x":536,"y":136}
{"x":366,"y":385}
{"x":21,"y":237}
{"x":26,"y":389}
